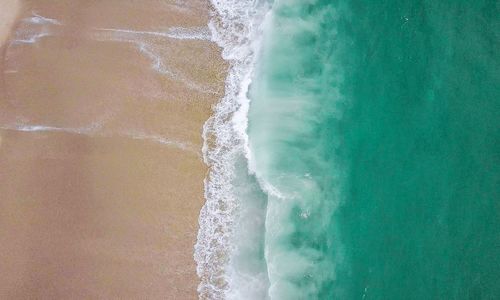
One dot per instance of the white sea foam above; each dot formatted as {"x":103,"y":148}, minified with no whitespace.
{"x":146,"y":44}
{"x":40,"y":128}
{"x":193,"y":33}
{"x":36,"y":27}
{"x":94,"y":130}
{"x":160,"y":140}
{"x":33,"y":28}
{"x":39,"y":19}
{"x":181,"y":33}
{"x":235,"y":27}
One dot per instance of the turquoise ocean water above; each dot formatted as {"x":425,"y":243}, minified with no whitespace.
{"x":374,"y":152}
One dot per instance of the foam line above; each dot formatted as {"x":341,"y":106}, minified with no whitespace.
{"x":150,"y":51}
{"x":92,"y":131}
{"x":236,"y":29}
{"x":42,"y":128}
{"x":30,"y":39}
{"x":39,"y":19}
{"x":28,"y":34}
{"x":181,"y":33}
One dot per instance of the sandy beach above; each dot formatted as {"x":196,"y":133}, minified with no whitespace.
{"x":102,"y":105}
{"x":8,"y":14}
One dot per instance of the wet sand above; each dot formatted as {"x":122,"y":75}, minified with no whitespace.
{"x":102,"y":105}
{"x":8,"y":13}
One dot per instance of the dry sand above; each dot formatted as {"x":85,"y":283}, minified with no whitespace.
{"x":101,"y":177}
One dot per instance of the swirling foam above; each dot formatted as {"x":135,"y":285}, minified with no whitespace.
{"x":235,"y":27}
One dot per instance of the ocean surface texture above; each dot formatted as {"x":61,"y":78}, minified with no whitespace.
{"x":365,"y":153}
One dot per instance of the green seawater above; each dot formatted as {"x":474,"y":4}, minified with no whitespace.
{"x":374,"y":128}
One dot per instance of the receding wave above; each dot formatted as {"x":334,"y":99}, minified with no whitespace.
{"x":236,"y":27}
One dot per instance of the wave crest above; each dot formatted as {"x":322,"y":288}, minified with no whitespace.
{"x":235,"y":27}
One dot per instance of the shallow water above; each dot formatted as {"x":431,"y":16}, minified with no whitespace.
{"x":373,"y":130}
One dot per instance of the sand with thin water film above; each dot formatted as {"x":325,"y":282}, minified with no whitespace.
{"x":8,"y":13}
{"x":102,"y":105}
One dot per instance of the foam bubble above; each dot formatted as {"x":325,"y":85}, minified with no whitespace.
{"x":235,"y":27}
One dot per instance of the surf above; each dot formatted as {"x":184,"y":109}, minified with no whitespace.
{"x":352,"y":155}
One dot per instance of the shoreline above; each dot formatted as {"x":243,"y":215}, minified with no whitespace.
{"x":101,"y":143}
{"x":237,"y":30}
